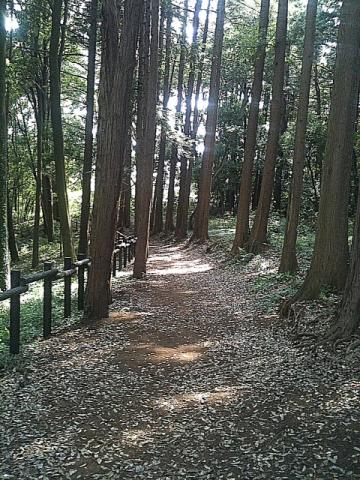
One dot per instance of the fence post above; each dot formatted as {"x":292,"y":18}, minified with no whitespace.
{"x":132,"y":249}
{"x":129,"y":252}
{"x":120,"y":258}
{"x":125,"y":255}
{"x":47,"y":305}
{"x":81,"y":283}
{"x":15,"y":314}
{"x":114,"y":263}
{"x":67,"y":288}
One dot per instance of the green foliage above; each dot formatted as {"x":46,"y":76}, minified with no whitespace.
{"x":268,"y":286}
{"x":238,"y":60}
{"x":31,"y":317}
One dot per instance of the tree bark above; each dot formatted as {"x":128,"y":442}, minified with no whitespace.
{"x":146,"y":157}
{"x":259,"y":228}
{"x":169,"y":220}
{"x":14,"y":253}
{"x":47,"y":203}
{"x":288,"y":261}
{"x":157,"y":210}
{"x":89,"y":123}
{"x":39,"y":156}
{"x":4,"y":261}
{"x":57,"y":128}
{"x":186,"y":161}
{"x":201,"y":225}
{"x":199,"y":80}
{"x":348,"y":318}
{"x":242,"y":222}
{"x":117,"y":83}
{"x":124,"y":220}
{"x":329,"y":265}
{"x":142,"y":86}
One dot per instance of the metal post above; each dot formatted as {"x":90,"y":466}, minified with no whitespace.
{"x":67,"y":288}
{"x":47,"y":305}
{"x":81,"y":283}
{"x":15,"y":314}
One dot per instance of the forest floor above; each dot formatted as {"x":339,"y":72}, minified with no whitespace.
{"x":191,"y":377}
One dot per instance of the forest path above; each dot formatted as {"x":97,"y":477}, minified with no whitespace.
{"x":183,"y":381}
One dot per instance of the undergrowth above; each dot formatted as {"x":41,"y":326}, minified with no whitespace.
{"x":269,"y":286}
{"x":32,"y":302}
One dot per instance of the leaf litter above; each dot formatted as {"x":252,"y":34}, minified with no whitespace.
{"x":182,"y":381}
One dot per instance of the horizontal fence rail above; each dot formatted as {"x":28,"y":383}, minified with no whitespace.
{"x":124,"y":252}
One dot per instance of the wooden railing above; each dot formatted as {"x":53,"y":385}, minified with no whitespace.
{"x":124,"y":252}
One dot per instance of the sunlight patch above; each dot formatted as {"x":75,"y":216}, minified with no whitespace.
{"x":183,"y":268}
{"x":219,"y":396}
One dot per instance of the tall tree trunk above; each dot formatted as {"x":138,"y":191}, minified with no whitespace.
{"x":259,"y":229}
{"x":4,"y":262}
{"x":317,"y":91}
{"x":348,"y":319}
{"x":196,"y":116}
{"x":186,"y":161}
{"x":39,"y":156}
{"x":329,"y":265}
{"x":13,"y":250}
{"x":114,"y":122}
{"x":89,"y":123}
{"x":46,"y":195}
{"x":47,"y":203}
{"x":199,"y":80}
{"x":169,"y":220}
{"x":146,"y":157}
{"x":124,"y":220}
{"x":142,"y":87}
{"x":257,"y":187}
{"x":288,"y":261}
{"x":242,"y":222}
{"x":14,"y":254}
{"x":201,"y":224}
{"x":278,"y":183}
{"x":157,"y":210}
{"x":39,"y":100}
{"x":57,"y":128}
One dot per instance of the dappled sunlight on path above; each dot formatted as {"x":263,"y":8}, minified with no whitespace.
{"x":181,"y":381}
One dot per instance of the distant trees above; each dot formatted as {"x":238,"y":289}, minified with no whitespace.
{"x":89,"y":125}
{"x":288,"y":261}
{"x":242,"y":224}
{"x":258,"y":235}
{"x":145,"y":158}
{"x":201,"y":224}
{"x":55,"y":58}
{"x":158,"y":203}
{"x":169,"y":221}
{"x":186,"y":159}
{"x":241,"y":115}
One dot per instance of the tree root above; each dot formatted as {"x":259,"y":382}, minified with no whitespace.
{"x":304,"y":335}
{"x":353,"y":345}
{"x":294,"y":316}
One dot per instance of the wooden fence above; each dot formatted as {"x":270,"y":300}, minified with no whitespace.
{"x":124,"y":252}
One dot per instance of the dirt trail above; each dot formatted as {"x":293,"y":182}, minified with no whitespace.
{"x":182,"y":381}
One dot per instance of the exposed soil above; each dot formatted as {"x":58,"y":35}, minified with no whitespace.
{"x":184,"y":380}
